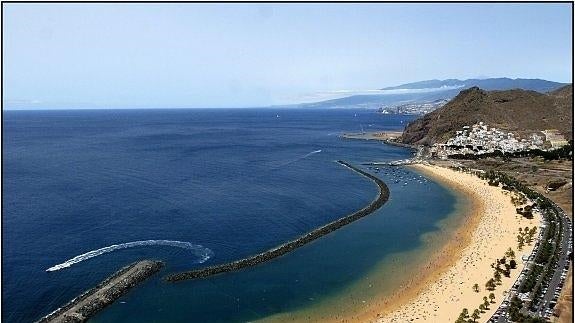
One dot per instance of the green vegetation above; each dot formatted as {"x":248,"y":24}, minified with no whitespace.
{"x":542,"y":268}
{"x":475,"y":315}
{"x":518,"y":200}
{"x":485,"y":302}
{"x":476,"y":288}
{"x":525,"y":236}
{"x":482,"y":308}
{"x":516,"y":316}
{"x":510,"y":253}
{"x":490,"y":285}
{"x":526,"y":211}
{"x":512,"y":264}
{"x":492,"y":297}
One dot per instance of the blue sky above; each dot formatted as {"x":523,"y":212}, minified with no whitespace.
{"x":223,"y":55}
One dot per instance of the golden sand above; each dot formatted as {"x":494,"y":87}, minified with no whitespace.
{"x":443,"y":285}
{"x":491,"y":229}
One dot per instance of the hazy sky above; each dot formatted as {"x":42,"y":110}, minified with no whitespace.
{"x":223,"y":55}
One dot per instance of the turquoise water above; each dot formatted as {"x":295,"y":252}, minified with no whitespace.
{"x":233,"y":182}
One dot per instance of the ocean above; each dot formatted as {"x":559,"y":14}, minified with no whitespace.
{"x":86,"y":192}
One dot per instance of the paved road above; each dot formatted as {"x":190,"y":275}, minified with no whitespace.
{"x":566,"y":249}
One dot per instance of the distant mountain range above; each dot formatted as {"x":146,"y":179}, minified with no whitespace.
{"x":490,"y":84}
{"x":520,"y":111}
{"x":432,"y":90}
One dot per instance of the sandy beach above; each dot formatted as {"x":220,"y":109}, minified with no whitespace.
{"x":443,"y":285}
{"x":490,"y":229}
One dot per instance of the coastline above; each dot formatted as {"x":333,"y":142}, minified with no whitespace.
{"x":486,"y":235}
{"x":450,"y":262}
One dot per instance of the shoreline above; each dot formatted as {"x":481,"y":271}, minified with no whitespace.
{"x":442,"y":287}
{"x":433,"y":256}
{"x":484,"y":237}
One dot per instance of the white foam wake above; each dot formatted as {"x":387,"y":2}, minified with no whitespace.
{"x":312,"y":153}
{"x":298,"y":159}
{"x":202,"y":252}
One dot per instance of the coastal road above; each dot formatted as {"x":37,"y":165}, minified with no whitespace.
{"x":565,"y":246}
{"x":564,"y":261}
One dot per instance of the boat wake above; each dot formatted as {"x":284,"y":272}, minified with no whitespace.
{"x":312,"y":153}
{"x":298,"y":159}
{"x":201,"y":252}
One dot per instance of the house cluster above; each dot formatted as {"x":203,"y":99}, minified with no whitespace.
{"x":555,"y":138}
{"x":480,"y":139}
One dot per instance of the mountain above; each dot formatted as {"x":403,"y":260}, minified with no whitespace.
{"x":490,"y":84}
{"x":519,"y":111}
{"x":379,"y":100}
{"x":432,"y":90}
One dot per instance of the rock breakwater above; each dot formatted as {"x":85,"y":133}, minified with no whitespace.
{"x":270,"y":254}
{"x":81,"y":308}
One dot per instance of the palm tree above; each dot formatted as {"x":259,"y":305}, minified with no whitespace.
{"x":476,"y":288}
{"x":509,"y":253}
{"x":490,"y":285}
{"x":497,"y":276}
{"x":492,"y":297}
{"x":475,"y":315}
{"x":513,"y":264}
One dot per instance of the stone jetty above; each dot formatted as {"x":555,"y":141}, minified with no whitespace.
{"x":81,"y":308}
{"x":381,"y":198}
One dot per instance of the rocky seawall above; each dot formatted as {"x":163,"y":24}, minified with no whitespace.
{"x":81,"y":308}
{"x":381,"y":198}
{"x":390,"y":138}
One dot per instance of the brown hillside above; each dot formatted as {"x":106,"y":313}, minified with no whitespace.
{"x":518,"y":111}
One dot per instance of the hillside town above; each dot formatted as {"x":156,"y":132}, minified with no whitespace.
{"x":480,"y":139}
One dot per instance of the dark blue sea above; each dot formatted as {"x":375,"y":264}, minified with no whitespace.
{"x":219,"y":185}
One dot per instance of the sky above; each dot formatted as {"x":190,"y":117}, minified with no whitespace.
{"x":247,"y":55}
